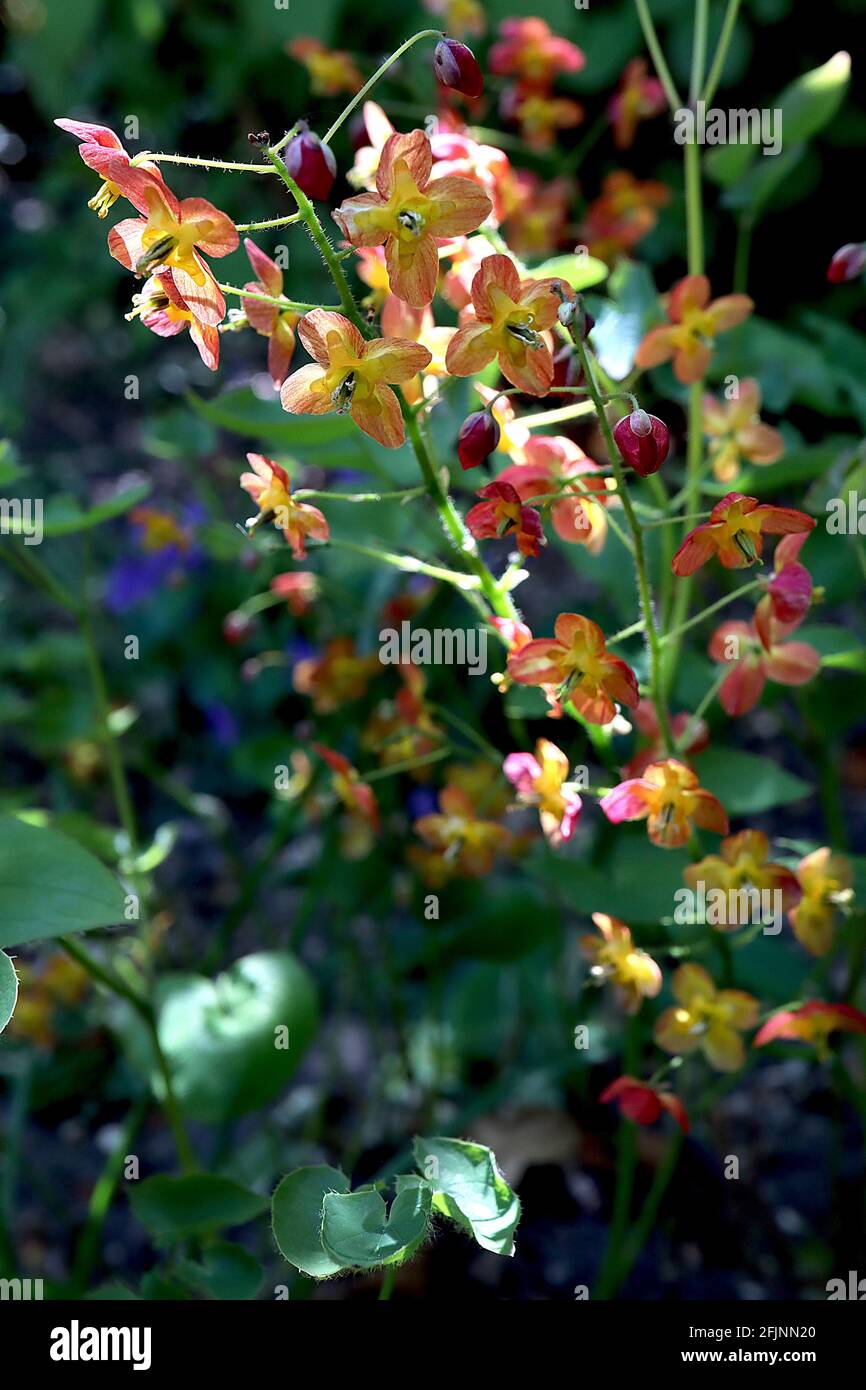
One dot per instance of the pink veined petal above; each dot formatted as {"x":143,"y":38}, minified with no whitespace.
{"x":658,"y":346}
{"x":313,"y":331}
{"x":414,"y":149}
{"x":730,"y":310}
{"x":788,"y":549}
{"x":91,"y":134}
{"x":470,"y":350}
{"x":698,"y":547}
{"x":134,"y":182}
{"x":792,"y":663}
{"x":202,"y":295}
{"x":413,"y":269}
{"x":207,"y":340}
{"x":692,"y":292}
{"x":534,"y":374}
{"x":281,"y":349}
{"x":261,"y":317}
{"x":536,"y":662}
{"x":299,"y":396}
{"x":542,"y":298}
{"x":521,"y":769}
{"x":393,"y":360}
{"x":460,"y":204}
{"x":742,"y":689}
{"x":216,"y":234}
{"x":708,"y":812}
{"x":378,"y":414}
{"x":628,"y":801}
{"x":498,"y":272}
{"x":778,"y":521}
{"x":266,"y":270}
{"x":358,"y":221}
{"x":573,"y":629}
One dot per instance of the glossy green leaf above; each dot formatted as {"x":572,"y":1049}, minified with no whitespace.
{"x":172,"y":1208}
{"x":8,"y":989}
{"x":358,"y":1229}
{"x":50,"y":886}
{"x":581,"y":272}
{"x":747,"y":783}
{"x":234,"y":1042}
{"x":296,"y":1210}
{"x":469,"y":1188}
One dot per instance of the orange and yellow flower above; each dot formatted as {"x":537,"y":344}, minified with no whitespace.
{"x":624,"y":212}
{"x":331,"y":71}
{"x":174,"y":234}
{"x":351,"y":374}
{"x":539,"y":114}
{"x":541,"y":780}
{"x":706,"y":1019}
{"x":269,"y":487}
{"x":553,"y":464}
{"x":276,"y":324}
{"x":163,"y":310}
{"x":825,"y":881}
{"x":103,"y":152}
{"x":736,"y":433}
{"x":743,"y":861}
{"x":811,"y":1023}
{"x":501,"y":513}
{"x":672,"y":801}
{"x":300,"y":589}
{"x":695,"y":322}
{"x":466,"y":842}
{"x":335,"y":677}
{"x":356,"y":795}
{"x":527,"y":49}
{"x":409,"y":212}
{"x":637,"y":98}
{"x":576,"y":663}
{"x":735,"y":533}
{"x":510,"y":318}
{"x":615,"y":957}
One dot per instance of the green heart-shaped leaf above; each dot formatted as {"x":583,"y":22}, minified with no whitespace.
{"x":232,"y":1043}
{"x":359,"y":1230}
{"x":297,"y":1218}
{"x":8,"y":989}
{"x":193,"y":1205}
{"x":50,"y":886}
{"x":469,"y":1188}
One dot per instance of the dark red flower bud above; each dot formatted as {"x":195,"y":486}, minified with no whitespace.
{"x":847,"y":263}
{"x":791,"y":592}
{"x":643,"y":440}
{"x":456,"y":66}
{"x":237,"y":627}
{"x":310,"y":163}
{"x":478,"y":437}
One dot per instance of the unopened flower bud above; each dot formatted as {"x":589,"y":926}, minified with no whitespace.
{"x":310,"y":163}
{"x":456,"y":66}
{"x":848,"y":262}
{"x":643,"y":440}
{"x":479,"y":436}
{"x":237,"y":626}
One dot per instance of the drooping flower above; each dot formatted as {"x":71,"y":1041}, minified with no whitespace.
{"x":467,"y":842}
{"x":743,"y":862}
{"x":174,"y":234}
{"x":789,"y":592}
{"x":163,"y":310}
{"x":707,"y":1019}
{"x":527,"y":49}
{"x":695,"y":322}
{"x":331,"y":72}
{"x":539,"y":114}
{"x":735,"y":533}
{"x":556,"y":465}
{"x":269,"y":487}
{"x":356,"y":795}
{"x":754,"y":661}
{"x":825,"y":880}
{"x":351,"y":374}
{"x":335,"y":676}
{"x":310,"y":163}
{"x":683,"y":727}
{"x":575,"y":662}
{"x":625,"y":211}
{"x":671,"y":799}
{"x":276,"y":324}
{"x":736,"y":433}
{"x":847,"y":264}
{"x":615,"y":957}
{"x":541,"y":780}
{"x":642,"y":1103}
{"x":103,"y":152}
{"x":637,"y":98}
{"x":300,"y":589}
{"x":456,"y":66}
{"x":811,"y":1023}
{"x":408,"y":212}
{"x":502,"y":514}
{"x":510,"y":317}
{"x":643,"y":440}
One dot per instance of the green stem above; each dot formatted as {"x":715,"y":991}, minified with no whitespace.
{"x":658,"y":57}
{"x":266,"y":226}
{"x":405,"y":494}
{"x":649,"y":1211}
{"x":222,"y":165}
{"x":380,"y":72}
{"x":637,"y":548}
{"x":87,"y":1247}
{"x":293,"y":305}
{"x":626,"y":1166}
{"x":116,"y":770}
{"x":388,"y":1281}
{"x":676,"y":632}
{"x":722,"y":51}
{"x":699,"y":49}
{"x":117,"y":985}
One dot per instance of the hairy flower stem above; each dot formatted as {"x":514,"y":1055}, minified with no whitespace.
{"x":640,"y":564}
{"x":379,"y":73}
{"x":279,"y":302}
